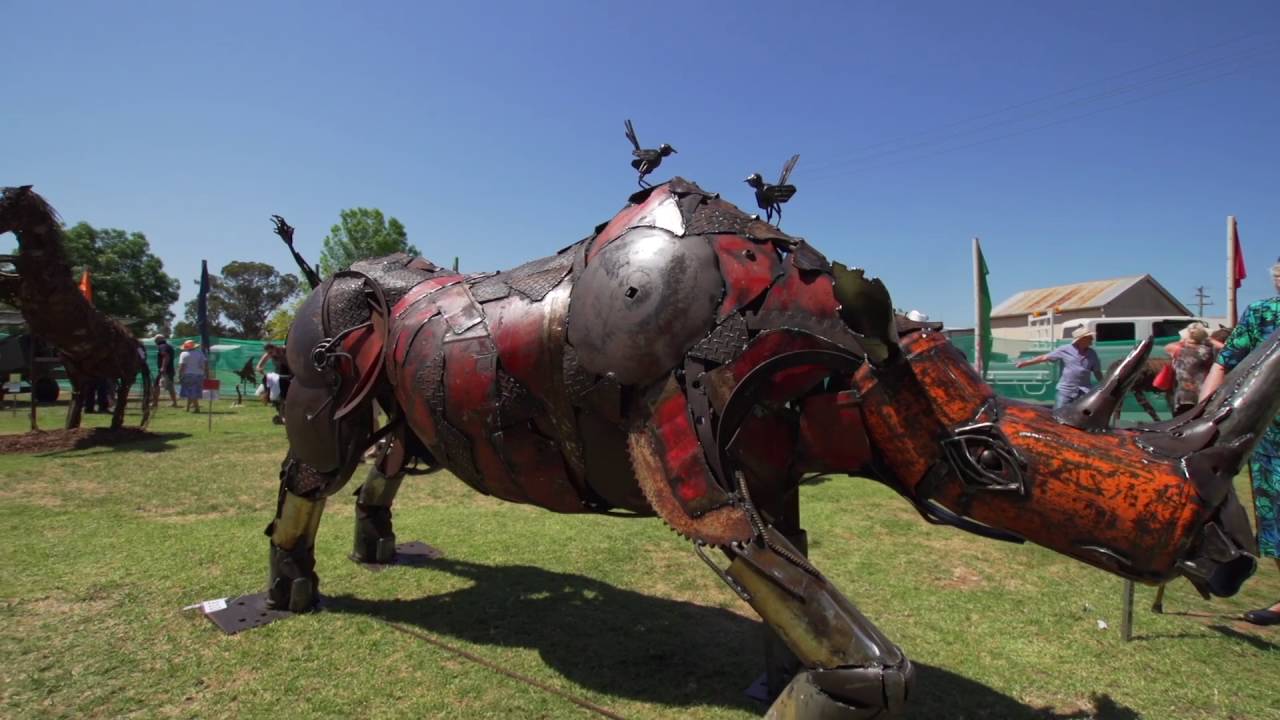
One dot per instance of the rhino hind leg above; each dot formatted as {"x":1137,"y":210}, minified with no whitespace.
{"x":375,"y":538}
{"x":850,"y":669}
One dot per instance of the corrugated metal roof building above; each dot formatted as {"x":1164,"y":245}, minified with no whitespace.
{"x":1137,"y":295}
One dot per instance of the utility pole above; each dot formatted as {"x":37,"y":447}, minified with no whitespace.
{"x":1201,"y":301}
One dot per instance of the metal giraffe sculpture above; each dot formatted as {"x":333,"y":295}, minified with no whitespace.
{"x":92,"y":345}
{"x":690,"y":361}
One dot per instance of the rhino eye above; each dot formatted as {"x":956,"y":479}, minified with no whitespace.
{"x":985,"y":460}
{"x":989,"y":460}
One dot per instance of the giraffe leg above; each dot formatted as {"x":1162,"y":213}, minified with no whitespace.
{"x":1146,"y":404}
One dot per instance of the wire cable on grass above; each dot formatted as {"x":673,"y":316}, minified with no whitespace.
{"x":459,"y":652}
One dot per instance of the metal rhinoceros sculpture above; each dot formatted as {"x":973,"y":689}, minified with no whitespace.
{"x":690,"y":361}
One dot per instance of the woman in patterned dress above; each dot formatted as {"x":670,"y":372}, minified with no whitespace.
{"x":1259,"y":320}
{"x":1192,"y":358}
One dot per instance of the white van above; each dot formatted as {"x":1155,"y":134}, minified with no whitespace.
{"x":1135,"y":328}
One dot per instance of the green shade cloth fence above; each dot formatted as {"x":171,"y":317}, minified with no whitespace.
{"x":225,"y":361}
{"x":1037,"y":383}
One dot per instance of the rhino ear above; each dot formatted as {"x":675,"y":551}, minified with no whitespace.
{"x":865,"y":306}
{"x":1094,"y":411}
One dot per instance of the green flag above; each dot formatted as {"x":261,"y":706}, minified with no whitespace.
{"x":983,"y":321}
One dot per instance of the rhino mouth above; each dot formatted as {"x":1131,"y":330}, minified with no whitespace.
{"x":1218,"y":567}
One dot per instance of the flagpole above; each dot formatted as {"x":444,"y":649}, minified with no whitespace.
{"x":1231,"y":270}
{"x":978,"y":338}
{"x":210,"y":373}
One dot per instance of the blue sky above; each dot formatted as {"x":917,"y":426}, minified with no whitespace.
{"x":1078,"y":140}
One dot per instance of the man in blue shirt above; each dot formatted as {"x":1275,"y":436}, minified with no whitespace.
{"x":1079,"y":360}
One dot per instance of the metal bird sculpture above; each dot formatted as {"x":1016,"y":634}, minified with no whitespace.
{"x":647,"y":160}
{"x":771,"y":197}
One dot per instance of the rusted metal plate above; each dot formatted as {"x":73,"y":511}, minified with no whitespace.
{"x":423,"y":290}
{"x":802,"y":291}
{"x":725,"y":342}
{"x":748,"y":267}
{"x":642,"y":302}
{"x":832,"y":438}
{"x":410,"y":554}
{"x":626,"y":219}
{"x":717,"y":216}
{"x":246,"y":613}
{"x":690,"y":480}
{"x":539,"y":469}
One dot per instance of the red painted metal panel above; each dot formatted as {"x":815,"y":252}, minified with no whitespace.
{"x":625,"y":220}
{"x":748,"y":268}
{"x":681,"y":452}
{"x":807,"y":292}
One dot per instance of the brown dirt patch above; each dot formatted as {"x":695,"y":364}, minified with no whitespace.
{"x":962,"y":578}
{"x":78,"y":438}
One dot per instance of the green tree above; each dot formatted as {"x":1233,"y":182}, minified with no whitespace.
{"x":241,"y":299}
{"x":362,"y":233}
{"x":280,"y":321}
{"x":129,"y":282}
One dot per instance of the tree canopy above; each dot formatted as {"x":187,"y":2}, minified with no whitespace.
{"x":280,"y":321}
{"x":362,"y":233}
{"x":241,"y":299}
{"x":129,"y":282}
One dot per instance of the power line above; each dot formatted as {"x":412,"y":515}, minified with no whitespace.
{"x":1102,"y":95}
{"x":1201,"y":301}
{"x":841,"y":172}
{"x":1058,"y":93}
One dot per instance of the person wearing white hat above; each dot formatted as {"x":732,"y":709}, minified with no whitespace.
{"x":1079,"y":360}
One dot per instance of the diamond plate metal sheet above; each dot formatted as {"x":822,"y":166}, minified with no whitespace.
{"x":515,"y":402}
{"x":717,"y":216}
{"x":577,"y":381}
{"x":345,"y":305}
{"x":458,"y":449}
{"x":392,"y":274}
{"x":494,"y":288}
{"x":725,"y":342}
{"x":535,"y":279}
{"x":430,"y":383}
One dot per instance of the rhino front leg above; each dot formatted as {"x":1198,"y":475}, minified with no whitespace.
{"x":851,"y":670}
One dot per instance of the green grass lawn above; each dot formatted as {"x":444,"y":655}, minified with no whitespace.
{"x":100,"y":548}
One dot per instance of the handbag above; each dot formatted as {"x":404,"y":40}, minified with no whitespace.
{"x":1164,"y":379}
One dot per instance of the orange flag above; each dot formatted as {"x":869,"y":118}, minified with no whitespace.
{"x":86,"y":286}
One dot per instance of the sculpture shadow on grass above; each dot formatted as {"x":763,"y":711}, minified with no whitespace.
{"x":630,"y":645}
{"x":88,"y":442}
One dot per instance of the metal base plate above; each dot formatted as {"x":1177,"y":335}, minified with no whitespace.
{"x":410,"y":554}
{"x":245,"y":613}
